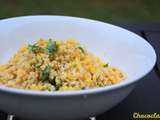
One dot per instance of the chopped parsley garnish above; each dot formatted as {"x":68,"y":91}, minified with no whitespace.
{"x":83,"y":88}
{"x":45,"y":73}
{"x":105,"y":65}
{"x":81,"y":49}
{"x":45,"y":77}
{"x":74,"y":65}
{"x":51,"y":46}
{"x":56,"y":82}
{"x":37,"y":66}
{"x":34,"y":48}
{"x":53,"y":81}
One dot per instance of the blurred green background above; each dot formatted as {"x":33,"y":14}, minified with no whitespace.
{"x":105,"y":10}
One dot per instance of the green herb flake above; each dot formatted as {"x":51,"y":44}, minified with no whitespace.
{"x":74,"y":65}
{"x":37,"y":66}
{"x":100,"y":85}
{"x":56,"y":82}
{"x":82,"y":50}
{"x":45,"y":73}
{"x":51,"y":46}
{"x":34,"y":48}
{"x":105,"y":65}
{"x":83,"y":88}
{"x":52,"y":81}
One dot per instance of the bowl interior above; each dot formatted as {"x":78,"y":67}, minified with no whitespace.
{"x":116,"y":46}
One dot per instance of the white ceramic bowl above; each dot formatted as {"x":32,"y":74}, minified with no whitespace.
{"x":119,"y":47}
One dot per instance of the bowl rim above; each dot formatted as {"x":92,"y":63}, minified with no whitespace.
{"x":76,"y":92}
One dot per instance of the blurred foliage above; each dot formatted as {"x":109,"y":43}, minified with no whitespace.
{"x":105,"y":10}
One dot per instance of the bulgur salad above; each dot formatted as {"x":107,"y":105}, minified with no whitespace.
{"x":57,"y":66}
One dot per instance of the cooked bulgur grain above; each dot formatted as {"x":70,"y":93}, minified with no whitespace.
{"x":57,"y":65}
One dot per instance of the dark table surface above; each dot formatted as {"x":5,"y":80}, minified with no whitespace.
{"x":145,"y":98}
